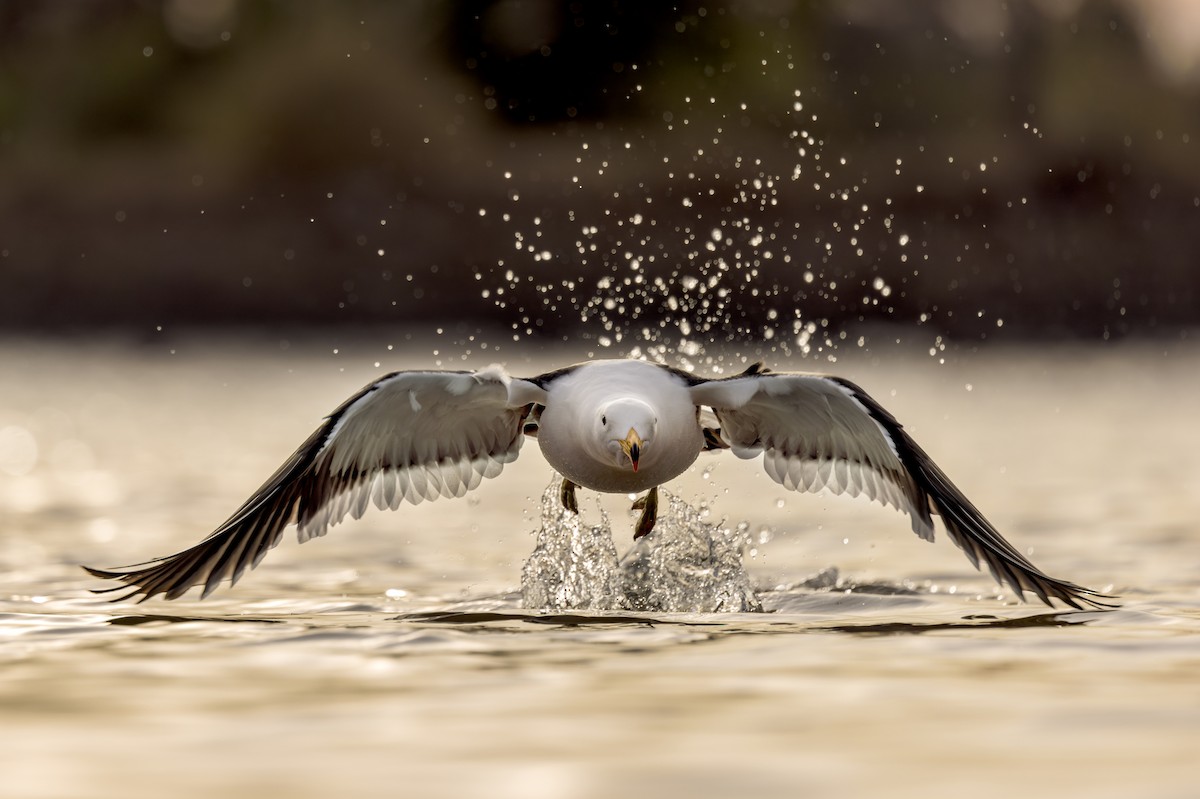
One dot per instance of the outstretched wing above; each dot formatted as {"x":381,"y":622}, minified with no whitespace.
{"x":407,"y":437}
{"x":819,"y":432}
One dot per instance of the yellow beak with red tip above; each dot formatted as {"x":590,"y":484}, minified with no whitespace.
{"x":631,"y":445}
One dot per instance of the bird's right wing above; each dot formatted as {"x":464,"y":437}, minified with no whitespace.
{"x":407,"y":437}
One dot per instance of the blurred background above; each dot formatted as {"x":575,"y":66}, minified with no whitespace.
{"x":780,"y":170}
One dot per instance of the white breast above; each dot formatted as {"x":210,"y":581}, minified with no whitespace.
{"x":572,"y":403}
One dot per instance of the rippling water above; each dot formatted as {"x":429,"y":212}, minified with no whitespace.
{"x":395,"y":656}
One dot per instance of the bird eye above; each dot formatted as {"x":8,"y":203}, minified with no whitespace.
{"x":604,"y":420}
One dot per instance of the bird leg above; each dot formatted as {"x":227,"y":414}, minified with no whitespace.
{"x":566,"y":496}
{"x":649,"y":507}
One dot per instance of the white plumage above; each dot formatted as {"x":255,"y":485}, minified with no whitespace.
{"x":614,"y":426}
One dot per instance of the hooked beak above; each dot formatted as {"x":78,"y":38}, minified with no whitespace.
{"x":631,"y":445}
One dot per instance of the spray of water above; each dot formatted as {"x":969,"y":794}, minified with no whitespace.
{"x":685,"y":565}
{"x":573,"y":564}
{"x":692,"y":252}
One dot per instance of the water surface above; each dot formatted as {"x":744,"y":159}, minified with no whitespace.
{"x":394,"y":657}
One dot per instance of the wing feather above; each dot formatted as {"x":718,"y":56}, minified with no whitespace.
{"x":825,"y":433}
{"x":407,"y":437}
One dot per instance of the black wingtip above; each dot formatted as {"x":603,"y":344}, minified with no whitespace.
{"x":1074,"y":596}
{"x":967,"y":526}
{"x":984,"y":546}
{"x":1086,"y":599}
{"x":123,"y":576}
{"x":103,"y":574}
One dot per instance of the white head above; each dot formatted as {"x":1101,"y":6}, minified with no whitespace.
{"x":625,"y":428}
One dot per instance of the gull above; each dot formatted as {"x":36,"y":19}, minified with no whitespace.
{"x":613,"y":426}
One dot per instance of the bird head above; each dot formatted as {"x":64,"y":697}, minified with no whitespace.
{"x":626,"y":426}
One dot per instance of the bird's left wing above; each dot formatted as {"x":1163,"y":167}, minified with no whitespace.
{"x":820,"y":432}
{"x":407,"y":437}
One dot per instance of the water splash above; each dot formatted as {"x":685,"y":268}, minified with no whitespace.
{"x":573,"y":564}
{"x":687,"y":565}
{"x":684,"y":565}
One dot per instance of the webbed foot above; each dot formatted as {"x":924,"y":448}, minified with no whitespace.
{"x":566,"y":495}
{"x":649,"y":508}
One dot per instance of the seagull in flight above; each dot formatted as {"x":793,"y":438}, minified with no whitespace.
{"x":614,"y":426}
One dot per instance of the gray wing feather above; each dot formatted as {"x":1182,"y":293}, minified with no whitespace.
{"x":813,"y":437}
{"x":819,"y":432}
{"x":407,"y":437}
